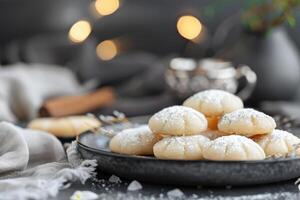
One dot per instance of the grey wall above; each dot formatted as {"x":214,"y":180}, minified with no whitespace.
{"x":147,"y":25}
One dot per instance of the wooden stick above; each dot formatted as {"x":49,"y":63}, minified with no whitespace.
{"x":74,"y":105}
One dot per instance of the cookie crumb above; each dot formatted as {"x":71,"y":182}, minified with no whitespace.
{"x":134,"y":186}
{"x":114,"y":179}
{"x":175,"y":193}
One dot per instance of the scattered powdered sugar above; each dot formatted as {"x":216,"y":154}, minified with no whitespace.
{"x":134,"y":186}
{"x":267,"y":196}
{"x":262,"y":196}
{"x":176,"y":193}
{"x":116,"y":192}
{"x":114,"y":179}
{"x":176,"y":113}
{"x":246,"y":114}
{"x":211,"y":96}
{"x":84,"y":195}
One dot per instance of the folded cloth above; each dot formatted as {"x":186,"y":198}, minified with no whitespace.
{"x":34,"y":165}
{"x":23,"y":88}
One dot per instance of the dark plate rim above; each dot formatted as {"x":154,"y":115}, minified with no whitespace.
{"x":148,"y":158}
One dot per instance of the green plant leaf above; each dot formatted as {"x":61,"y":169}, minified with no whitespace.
{"x":291,"y":20}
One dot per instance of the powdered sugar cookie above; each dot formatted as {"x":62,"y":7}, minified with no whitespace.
{"x":214,"y":102}
{"x":65,"y":126}
{"x":278,"y":143}
{"x":134,"y":141}
{"x":233,"y":147}
{"x":181,"y":147}
{"x":246,"y":122}
{"x":178,"y":120}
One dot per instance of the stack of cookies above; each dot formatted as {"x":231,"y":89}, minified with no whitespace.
{"x":210,"y":125}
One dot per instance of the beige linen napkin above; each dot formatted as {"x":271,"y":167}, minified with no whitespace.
{"x":34,"y":165}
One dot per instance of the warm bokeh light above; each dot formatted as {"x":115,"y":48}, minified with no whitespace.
{"x":106,"y":7}
{"x":189,"y":27}
{"x":107,"y":50}
{"x":80,"y":31}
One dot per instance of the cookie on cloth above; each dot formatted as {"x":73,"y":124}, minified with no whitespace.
{"x":213,"y":104}
{"x":233,"y":147}
{"x":247,"y":122}
{"x":65,"y":126}
{"x":278,"y":143}
{"x":181,"y":147}
{"x":178,"y":120}
{"x":134,"y":141}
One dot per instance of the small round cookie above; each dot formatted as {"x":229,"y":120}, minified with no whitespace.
{"x":233,"y":147}
{"x":65,"y":126}
{"x":178,"y":120}
{"x":247,"y":122}
{"x":134,"y":141}
{"x":181,"y":147}
{"x":213,"y":134}
{"x":214,"y":102}
{"x":278,"y":143}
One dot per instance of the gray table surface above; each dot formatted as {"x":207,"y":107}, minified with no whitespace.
{"x":118,"y":191}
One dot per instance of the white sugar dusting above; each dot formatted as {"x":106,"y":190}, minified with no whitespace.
{"x":192,"y":143}
{"x":175,"y":113}
{"x":281,"y":135}
{"x":246,"y":115}
{"x":187,"y":140}
{"x":134,"y":186}
{"x":211,"y":96}
{"x":232,"y":141}
{"x":138,"y":135}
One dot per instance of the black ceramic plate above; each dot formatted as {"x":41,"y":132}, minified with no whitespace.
{"x":203,"y":172}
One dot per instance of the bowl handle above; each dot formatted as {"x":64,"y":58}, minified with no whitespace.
{"x":251,"y":78}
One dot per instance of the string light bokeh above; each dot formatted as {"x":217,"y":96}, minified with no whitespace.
{"x":80,"y":31}
{"x":107,"y":50}
{"x":189,"y":27}
{"x":106,"y":7}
